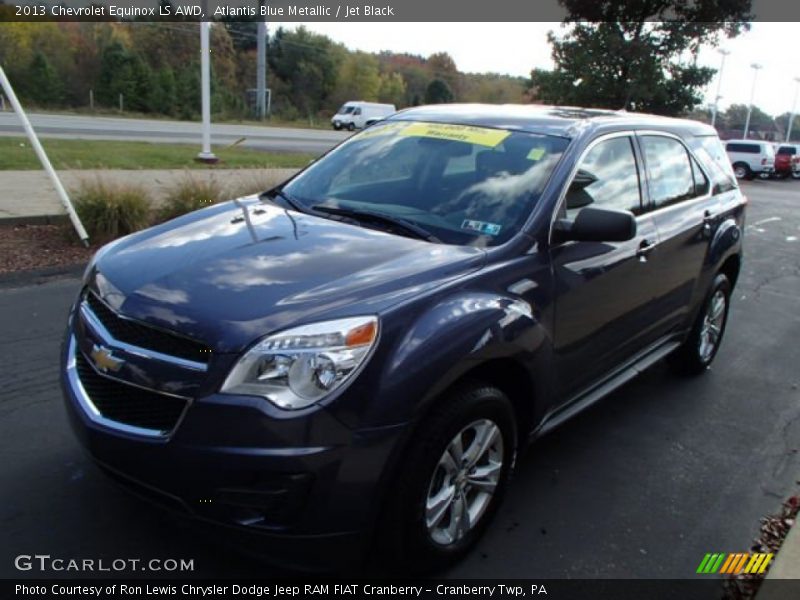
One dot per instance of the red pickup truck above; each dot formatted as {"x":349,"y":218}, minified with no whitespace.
{"x":787,"y":160}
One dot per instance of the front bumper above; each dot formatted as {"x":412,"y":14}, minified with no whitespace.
{"x":308,"y":482}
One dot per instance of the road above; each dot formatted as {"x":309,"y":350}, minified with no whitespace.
{"x":641,"y":486}
{"x":80,"y":127}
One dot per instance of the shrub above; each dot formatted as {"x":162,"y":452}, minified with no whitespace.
{"x":187,"y":195}
{"x":108,"y":210}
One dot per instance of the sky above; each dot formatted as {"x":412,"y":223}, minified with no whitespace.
{"x":516,"y":48}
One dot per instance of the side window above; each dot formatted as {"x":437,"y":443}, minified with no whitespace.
{"x":701,"y":183}
{"x":357,"y":112}
{"x":672,"y":177}
{"x":607,"y":177}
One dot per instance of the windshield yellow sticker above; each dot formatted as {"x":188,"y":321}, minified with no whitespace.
{"x":536,"y":154}
{"x":479,"y":136}
{"x":382,"y":129}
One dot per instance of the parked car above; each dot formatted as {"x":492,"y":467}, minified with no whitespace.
{"x":787,"y":160}
{"x":358,"y":115}
{"x":349,"y":364}
{"x":751,"y":158}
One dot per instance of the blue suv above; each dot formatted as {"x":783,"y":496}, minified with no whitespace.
{"x":353,"y":360}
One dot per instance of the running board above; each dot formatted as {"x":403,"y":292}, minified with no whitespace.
{"x":584,"y":400}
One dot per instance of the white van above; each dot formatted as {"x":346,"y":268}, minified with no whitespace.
{"x":357,"y":115}
{"x":751,"y":158}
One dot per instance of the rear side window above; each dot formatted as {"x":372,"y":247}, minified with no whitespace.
{"x":606,"y":178}
{"x":672,"y":177}
{"x":709,"y":150}
{"x":745,"y":148}
{"x":786,"y":151}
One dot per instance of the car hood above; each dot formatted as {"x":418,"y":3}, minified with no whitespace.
{"x":234,"y":272}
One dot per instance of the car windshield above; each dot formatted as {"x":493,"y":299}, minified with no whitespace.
{"x":462,"y":184}
{"x":346,"y":110}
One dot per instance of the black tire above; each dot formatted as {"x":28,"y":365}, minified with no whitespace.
{"x":742,"y":171}
{"x":405,"y":541}
{"x":795,"y":174}
{"x":692,"y":357}
{"x":337,"y":125}
{"x":351,"y":127}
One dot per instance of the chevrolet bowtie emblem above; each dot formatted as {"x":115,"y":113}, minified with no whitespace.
{"x":104,"y":360}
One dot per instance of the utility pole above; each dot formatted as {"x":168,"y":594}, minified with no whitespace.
{"x":755,"y":67}
{"x":794,"y":109}
{"x":724,"y":54}
{"x":261,"y":66}
{"x":205,"y":84}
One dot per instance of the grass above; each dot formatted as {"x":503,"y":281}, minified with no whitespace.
{"x":17,"y":154}
{"x":109,"y":211}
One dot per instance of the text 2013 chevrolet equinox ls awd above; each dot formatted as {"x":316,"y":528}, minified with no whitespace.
{"x":354,"y":358}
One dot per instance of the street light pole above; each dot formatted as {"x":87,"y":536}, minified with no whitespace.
{"x":724,"y":54}
{"x":205,"y":84}
{"x":794,"y":109}
{"x":755,"y":67}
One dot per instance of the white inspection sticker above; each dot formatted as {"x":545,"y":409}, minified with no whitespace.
{"x":483,"y":227}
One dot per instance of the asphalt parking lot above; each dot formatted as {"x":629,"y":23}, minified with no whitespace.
{"x":641,"y":486}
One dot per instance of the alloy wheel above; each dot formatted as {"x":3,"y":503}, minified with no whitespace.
{"x":464,"y":481}
{"x":711,"y":330}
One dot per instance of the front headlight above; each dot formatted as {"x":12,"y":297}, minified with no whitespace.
{"x":298,"y":367}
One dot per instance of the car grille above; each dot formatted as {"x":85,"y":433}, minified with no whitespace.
{"x":127,"y":404}
{"x":144,"y":336}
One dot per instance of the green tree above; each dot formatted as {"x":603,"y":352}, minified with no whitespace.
{"x":43,"y":84}
{"x":760,"y":122}
{"x":638,"y":55}
{"x":438,"y":92}
{"x":359,"y":78}
{"x":116,"y":75}
{"x":392,"y":89}
{"x":306,"y":66}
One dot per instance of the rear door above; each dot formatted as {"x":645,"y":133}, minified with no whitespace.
{"x":686,"y":215}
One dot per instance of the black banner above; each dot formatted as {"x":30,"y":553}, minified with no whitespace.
{"x":422,"y":589}
{"x":321,"y":10}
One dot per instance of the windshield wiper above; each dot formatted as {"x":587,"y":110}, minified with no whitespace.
{"x":404,"y":225}
{"x":279,"y":193}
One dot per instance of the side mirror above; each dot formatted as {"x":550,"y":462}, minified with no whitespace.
{"x":598,"y":225}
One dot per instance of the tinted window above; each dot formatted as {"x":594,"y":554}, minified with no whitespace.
{"x":671,"y":176}
{"x":785,"y":151}
{"x":746,"y":148}
{"x":606,"y":178}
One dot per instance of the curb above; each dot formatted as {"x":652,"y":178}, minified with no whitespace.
{"x":39,"y":276}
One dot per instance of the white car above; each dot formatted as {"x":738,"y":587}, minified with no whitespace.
{"x":357,"y":115}
{"x":751,"y":158}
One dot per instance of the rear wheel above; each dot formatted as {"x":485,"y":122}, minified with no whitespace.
{"x":742,"y":171}
{"x":697,"y":353}
{"x":452,"y":480}
{"x":795,"y":174}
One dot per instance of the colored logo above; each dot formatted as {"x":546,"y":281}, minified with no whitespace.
{"x":104,"y":360}
{"x":733,"y":564}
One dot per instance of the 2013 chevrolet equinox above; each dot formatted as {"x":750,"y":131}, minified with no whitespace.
{"x":356,"y":356}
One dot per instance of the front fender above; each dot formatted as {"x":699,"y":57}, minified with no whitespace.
{"x":454,"y":336}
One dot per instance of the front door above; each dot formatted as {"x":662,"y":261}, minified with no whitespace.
{"x":604,"y":291}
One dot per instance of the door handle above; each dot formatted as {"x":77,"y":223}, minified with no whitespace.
{"x":645,"y":247}
{"x":708,"y":219}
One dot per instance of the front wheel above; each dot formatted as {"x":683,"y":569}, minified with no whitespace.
{"x":696,"y":354}
{"x":452,"y":480}
{"x":795,"y":174}
{"x":351,"y":127}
